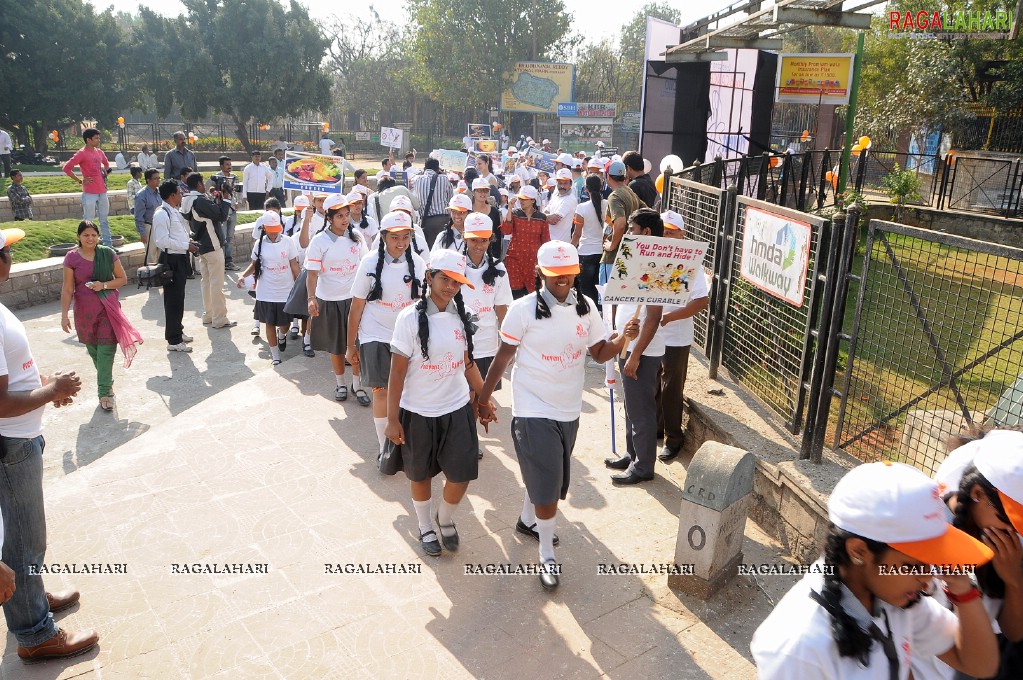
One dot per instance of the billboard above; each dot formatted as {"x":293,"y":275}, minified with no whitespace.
{"x":813,"y":78}
{"x":776,"y":254}
{"x":538,"y":87}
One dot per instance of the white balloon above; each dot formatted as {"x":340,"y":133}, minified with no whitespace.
{"x":673,"y":162}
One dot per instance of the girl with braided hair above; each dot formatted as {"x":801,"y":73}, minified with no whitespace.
{"x":450,"y":237}
{"x":861,"y":611}
{"x":547,"y":333}
{"x":430,"y":417}
{"x":360,"y":218}
{"x":389,"y":279}
{"x":332,"y":259}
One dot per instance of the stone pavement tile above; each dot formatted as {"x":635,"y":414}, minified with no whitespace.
{"x":634,"y":628}
{"x":126,"y":637}
{"x":256,"y":593}
{"x":720,"y":658}
{"x":188,"y":618}
{"x":154,"y":665}
{"x":84,"y":666}
{"x":218,"y":649}
{"x":321,"y":656}
{"x":665,"y":663}
{"x":285,"y":625}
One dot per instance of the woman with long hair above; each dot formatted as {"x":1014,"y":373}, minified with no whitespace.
{"x":430,"y":416}
{"x":481,"y":193}
{"x":389,"y":279}
{"x":862,"y":611}
{"x":528,"y":229}
{"x":332,"y":258}
{"x":547,"y":333}
{"x":92,"y":275}
{"x":588,"y":235}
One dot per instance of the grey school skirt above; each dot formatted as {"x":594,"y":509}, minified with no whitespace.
{"x":446,"y":443}
{"x":544,"y":449}
{"x":329,"y":332}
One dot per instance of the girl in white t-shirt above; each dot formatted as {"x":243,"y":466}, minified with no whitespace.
{"x":360,"y":218}
{"x":332,"y":260}
{"x":451,"y":237}
{"x":430,"y":416}
{"x":293,"y":227}
{"x":274,"y":263}
{"x":548,"y":332}
{"x":387,"y":281}
{"x":588,"y":236}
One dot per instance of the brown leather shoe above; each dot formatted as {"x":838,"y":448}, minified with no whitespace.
{"x":63,"y":600}
{"x":60,"y":646}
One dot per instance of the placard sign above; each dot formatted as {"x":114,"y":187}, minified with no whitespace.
{"x":391,"y":137}
{"x":650,"y":270}
{"x":542,"y":160}
{"x":479,"y":131}
{"x":775,"y":254}
{"x":313,"y":172}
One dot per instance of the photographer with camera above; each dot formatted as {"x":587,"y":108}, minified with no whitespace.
{"x":170,"y":235}
{"x":206,"y":214}
{"x":226,"y":183}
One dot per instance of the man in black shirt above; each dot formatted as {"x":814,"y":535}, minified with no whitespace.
{"x":639,"y":179}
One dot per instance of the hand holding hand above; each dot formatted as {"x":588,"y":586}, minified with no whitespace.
{"x":631,"y":330}
{"x":352,"y":357}
{"x":314,"y":308}
{"x":394,"y":432}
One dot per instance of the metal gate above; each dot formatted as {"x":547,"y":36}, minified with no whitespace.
{"x":935,"y":342}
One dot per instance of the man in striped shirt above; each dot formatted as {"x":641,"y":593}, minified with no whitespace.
{"x":434,"y":192}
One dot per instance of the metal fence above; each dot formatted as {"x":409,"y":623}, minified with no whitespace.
{"x":981,"y":182}
{"x":767,"y":341}
{"x":935,"y":343}
{"x":703,"y":209}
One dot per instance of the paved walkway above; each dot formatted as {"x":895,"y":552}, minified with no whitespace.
{"x":216,"y":458}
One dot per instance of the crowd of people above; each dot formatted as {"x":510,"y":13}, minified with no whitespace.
{"x":429,"y":290}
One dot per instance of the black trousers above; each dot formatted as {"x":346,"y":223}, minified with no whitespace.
{"x":588,"y":275}
{"x":256,"y":201}
{"x":174,"y":298}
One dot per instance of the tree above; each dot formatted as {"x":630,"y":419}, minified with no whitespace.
{"x":609,"y":73}
{"x":248,"y":59}
{"x":466,"y":50}
{"x":60,"y":62}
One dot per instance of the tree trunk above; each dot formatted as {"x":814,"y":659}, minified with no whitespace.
{"x":243,"y":133}
{"x":38,"y":137}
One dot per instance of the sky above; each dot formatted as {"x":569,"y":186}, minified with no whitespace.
{"x":590,"y":16}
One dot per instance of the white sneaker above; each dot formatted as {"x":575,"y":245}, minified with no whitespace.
{"x":186,"y":338}
{"x":255,"y":329}
{"x":180,"y":347}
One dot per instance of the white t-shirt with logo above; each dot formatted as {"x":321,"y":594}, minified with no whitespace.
{"x":591,"y":240}
{"x":482,"y":303}
{"x":624,"y":313}
{"x":565,"y":207}
{"x":436,"y":386}
{"x":371,"y":230}
{"x":795,"y":641}
{"x":275,"y":277}
{"x":456,"y":245}
{"x":17,"y":364}
{"x":335,"y":259}
{"x":550,"y":364}
{"x":379,"y":316}
{"x":680,"y":333}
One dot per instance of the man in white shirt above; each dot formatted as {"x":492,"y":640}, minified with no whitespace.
{"x":327,"y":144}
{"x":561,"y":207}
{"x":277,"y":186}
{"x":257,"y":180}
{"x":170,"y":234}
{"x":6,"y":149}
{"x":24,"y":394}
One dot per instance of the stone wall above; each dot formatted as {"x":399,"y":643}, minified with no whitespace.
{"x":35,"y":283}
{"x":63,"y":206}
{"x":1007,"y":232}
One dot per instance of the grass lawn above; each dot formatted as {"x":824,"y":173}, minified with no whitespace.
{"x":40,"y":235}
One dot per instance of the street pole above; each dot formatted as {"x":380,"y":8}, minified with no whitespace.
{"x":850,"y":115}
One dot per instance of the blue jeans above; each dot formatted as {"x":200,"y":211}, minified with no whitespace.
{"x":21,"y":500}
{"x":605,"y":273}
{"x":98,"y":205}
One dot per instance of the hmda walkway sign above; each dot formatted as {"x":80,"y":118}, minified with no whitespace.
{"x":775,"y":254}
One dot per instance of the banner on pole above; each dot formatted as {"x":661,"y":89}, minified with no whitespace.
{"x":650,"y":270}
{"x":391,"y":137}
{"x":313,"y":173}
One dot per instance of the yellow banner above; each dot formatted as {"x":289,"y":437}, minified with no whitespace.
{"x":538,"y":87}
{"x":813,"y":78}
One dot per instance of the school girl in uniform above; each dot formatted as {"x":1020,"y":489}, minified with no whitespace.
{"x":430,"y":416}
{"x":419,"y":245}
{"x":293,"y":225}
{"x":548,"y":333}
{"x":488,"y":298}
{"x":388,"y":280}
{"x":332,"y":258}
{"x":274,"y":262}
{"x":361,"y":220}
{"x":450,"y":237}
{"x":864,"y":613}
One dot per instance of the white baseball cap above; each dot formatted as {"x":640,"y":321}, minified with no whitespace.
{"x":551,"y":182}
{"x":335,"y":201}
{"x":478,"y":225}
{"x":301,"y":202}
{"x":595,"y":164}
{"x":396,"y":220}
{"x":564,"y":159}
{"x":362,"y":189}
{"x":502,"y":191}
{"x":480,"y":183}
{"x":672,"y":220}
{"x":460,"y":202}
{"x":461,"y":187}
{"x":269,"y":220}
{"x":8,"y":237}
{"x":563,"y":173}
{"x":513,"y":179}
{"x":557,"y":258}
{"x":528,"y":192}
{"x":577,"y":164}
{"x":600,"y":144}
{"x":453,"y":177}
{"x":451,"y":263}
{"x":897,"y":504}
{"x":999,"y":458}
{"x":401,"y":203}
{"x":546,"y":141}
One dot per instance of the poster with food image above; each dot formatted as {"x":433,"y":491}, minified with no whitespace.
{"x":485,"y":145}
{"x":313,"y":173}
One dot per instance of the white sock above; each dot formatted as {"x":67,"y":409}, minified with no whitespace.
{"x":340,"y":380}
{"x":294,"y":325}
{"x":445,"y":518}
{"x":381,"y":425}
{"x":423,"y":515}
{"x":528,"y":515}
{"x":356,"y":383}
{"x":281,"y":336}
{"x":275,"y":353}
{"x":307,"y":339}
{"x":545,"y":527}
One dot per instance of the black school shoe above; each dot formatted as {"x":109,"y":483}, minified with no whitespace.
{"x":549,"y":575}
{"x":521,"y":527}
{"x":667,"y":453}
{"x":430,"y":544}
